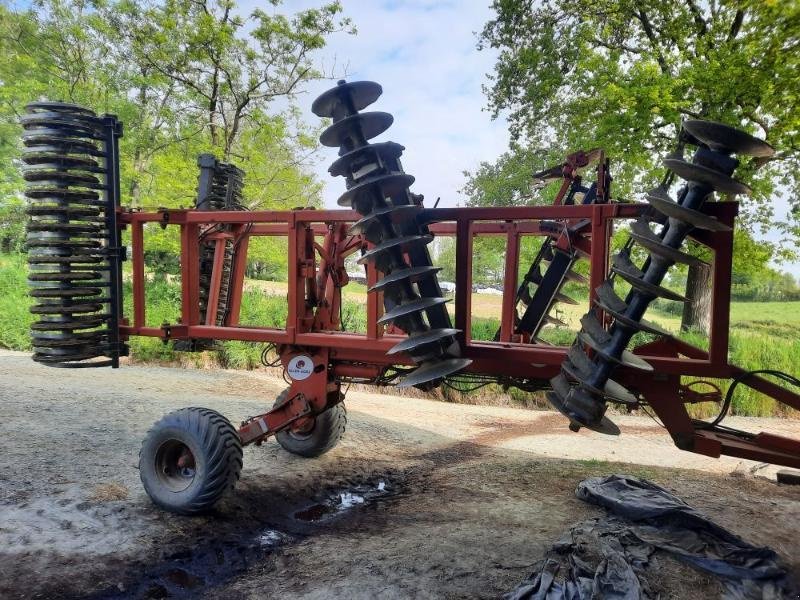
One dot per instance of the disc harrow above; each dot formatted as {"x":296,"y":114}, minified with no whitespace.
{"x":70,"y":166}
{"x":584,"y":385}
{"x":552,"y":267}
{"x":378,"y":189}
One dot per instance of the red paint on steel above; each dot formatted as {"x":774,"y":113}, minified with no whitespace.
{"x":137,"y":252}
{"x":314,"y":294}
{"x":509,"y":309}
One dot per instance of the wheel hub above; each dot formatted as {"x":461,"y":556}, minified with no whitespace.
{"x":175,"y":465}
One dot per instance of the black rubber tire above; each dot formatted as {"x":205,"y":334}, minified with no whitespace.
{"x":328,"y":429}
{"x":217,"y":452}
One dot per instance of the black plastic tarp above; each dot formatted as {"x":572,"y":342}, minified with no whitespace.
{"x":606,"y":557}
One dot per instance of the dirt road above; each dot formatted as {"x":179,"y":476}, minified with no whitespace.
{"x":421,"y":499}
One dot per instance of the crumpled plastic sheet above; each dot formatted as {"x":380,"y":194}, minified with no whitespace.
{"x":606,"y":557}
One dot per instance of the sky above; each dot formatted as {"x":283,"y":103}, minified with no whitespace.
{"x":423,"y":53}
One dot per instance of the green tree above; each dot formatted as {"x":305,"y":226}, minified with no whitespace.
{"x":621,"y":74}
{"x":185,"y":77}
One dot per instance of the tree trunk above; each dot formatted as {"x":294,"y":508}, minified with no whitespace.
{"x":697,"y":311}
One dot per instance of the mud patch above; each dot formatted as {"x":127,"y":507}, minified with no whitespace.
{"x":184,"y":572}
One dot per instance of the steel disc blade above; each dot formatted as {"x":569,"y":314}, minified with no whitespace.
{"x":352,"y":96}
{"x":687,"y":215}
{"x":560,"y":398}
{"x":422,"y":339}
{"x":576,"y":277}
{"x":384,"y":186}
{"x":415,"y":306}
{"x":623,"y":267}
{"x":553,"y":321}
{"x":392,"y":214}
{"x":724,"y":138}
{"x":401,"y":276}
{"x":700,"y":174}
{"x":344,"y":131}
{"x":579,"y":367}
{"x":594,"y":336}
{"x":401,"y":243}
{"x":644,"y":236}
{"x":433,"y":370}
{"x":627,"y":359}
{"x":362,"y":161}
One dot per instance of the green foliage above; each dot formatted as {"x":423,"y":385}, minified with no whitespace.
{"x":621,"y":74}
{"x":15,"y":319}
{"x":186,"y":77}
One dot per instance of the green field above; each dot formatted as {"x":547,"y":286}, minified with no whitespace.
{"x":763,"y":334}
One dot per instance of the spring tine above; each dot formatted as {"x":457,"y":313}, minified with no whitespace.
{"x":559,"y":297}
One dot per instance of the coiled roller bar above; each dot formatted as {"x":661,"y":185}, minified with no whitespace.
{"x":219,"y":188}
{"x":71,"y":169}
{"x":378,"y":189}
{"x":581,"y":390}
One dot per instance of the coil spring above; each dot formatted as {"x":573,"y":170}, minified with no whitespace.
{"x":378,"y":189}
{"x":581,"y":390}
{"x":70,"y":167}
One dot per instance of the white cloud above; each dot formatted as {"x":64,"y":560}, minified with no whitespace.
{"x":424,"y":55}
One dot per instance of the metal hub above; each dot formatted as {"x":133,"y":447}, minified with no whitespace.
{"x":175,"y":465}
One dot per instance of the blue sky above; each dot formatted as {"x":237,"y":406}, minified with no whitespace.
{"x":423,"y":53}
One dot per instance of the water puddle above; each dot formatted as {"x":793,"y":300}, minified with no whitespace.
{"x":340,"y":501}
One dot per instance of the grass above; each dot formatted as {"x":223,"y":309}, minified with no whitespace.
{"x":763,"y":334}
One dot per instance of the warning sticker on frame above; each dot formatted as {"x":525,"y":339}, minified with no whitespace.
{"x":300,"y":367}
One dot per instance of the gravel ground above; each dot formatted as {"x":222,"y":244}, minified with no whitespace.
{"x":459,"y":501}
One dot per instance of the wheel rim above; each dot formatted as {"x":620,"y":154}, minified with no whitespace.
{"x":175,"y":465}
{"x":304,"y":430}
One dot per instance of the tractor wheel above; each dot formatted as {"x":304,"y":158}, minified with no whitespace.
{"x":322,"y":435}
{"x":189,"y":459}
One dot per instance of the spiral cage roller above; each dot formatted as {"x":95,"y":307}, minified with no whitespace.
{"x":71,"y":170}
{"x":219,"y":188}
{"x":378,"y":189}
{"x":584,"y":385}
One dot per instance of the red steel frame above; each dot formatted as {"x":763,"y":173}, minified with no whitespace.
{"x":316,"y":274}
